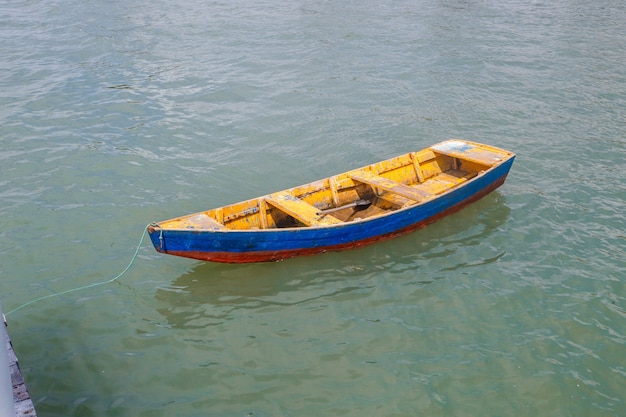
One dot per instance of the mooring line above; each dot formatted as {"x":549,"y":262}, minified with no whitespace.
{"x":96,"y":284}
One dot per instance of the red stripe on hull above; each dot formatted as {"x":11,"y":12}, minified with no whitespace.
{"x":272,"y":256}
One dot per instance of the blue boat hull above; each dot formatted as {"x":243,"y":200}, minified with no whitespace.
{"x":242,"y":246}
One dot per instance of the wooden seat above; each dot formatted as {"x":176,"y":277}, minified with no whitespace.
{"x":300,"y":210}
{"x":455,"y":176}
{"x":200,"y":221}
{"x":469,"y":152}
{"x":392,"y":186}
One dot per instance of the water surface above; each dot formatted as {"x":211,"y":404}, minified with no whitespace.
{"x":114,"y":114}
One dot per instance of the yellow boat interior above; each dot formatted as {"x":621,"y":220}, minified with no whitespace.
{"x":374,"y":190}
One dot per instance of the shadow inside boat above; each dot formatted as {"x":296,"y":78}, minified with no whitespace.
{"x":210,"y":293}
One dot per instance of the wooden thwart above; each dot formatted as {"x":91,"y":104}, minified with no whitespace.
{"x":203,"y":221}
{"x":392,"y":186}
{"x":472,"y":154}
{"x":455,"y":177}
{"x":300,"y":210}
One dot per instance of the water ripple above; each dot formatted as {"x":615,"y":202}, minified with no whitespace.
{"x":115,"y":114}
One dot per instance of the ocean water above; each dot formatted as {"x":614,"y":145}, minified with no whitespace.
{"x":114,"y":114}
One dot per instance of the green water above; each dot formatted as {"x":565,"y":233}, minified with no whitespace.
{"x":114,"y":114}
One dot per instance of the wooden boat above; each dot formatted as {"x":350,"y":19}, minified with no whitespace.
{"x":345,"y":211}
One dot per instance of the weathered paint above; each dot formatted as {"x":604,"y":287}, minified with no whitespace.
{"x":272,"y":244}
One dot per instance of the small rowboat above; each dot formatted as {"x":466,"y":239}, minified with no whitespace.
{"x":345,"y":211}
